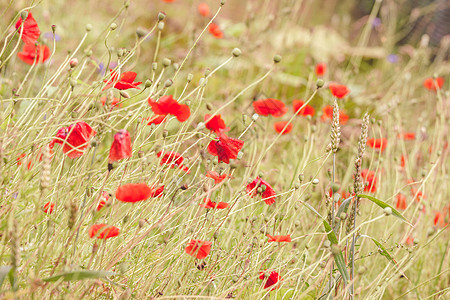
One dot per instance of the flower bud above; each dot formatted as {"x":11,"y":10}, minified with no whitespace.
{"x":315,"y":181}
{"x":236,"y":52}
{"x":161,"y":26}
{"x":124,"y":94}
{"x":222,"y":2}
{"x":88,"y":27}
{"x":141,"y":32}
{"x":73,"y":62}
{"x":387,"y":211}
{"x":255,"y":117}
{"x":161,"y":16}
{"x":277,"y":58}
{"x":148,"y":83}
{"x":168,"y":83}
{"x":166,"y":62}
{"x":113,"y":26}
{"x":319,"y":83}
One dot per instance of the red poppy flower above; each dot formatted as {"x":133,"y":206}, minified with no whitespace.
{"x":307,"y":110}
{"x":169,"y":1}
{"x":338,"y":90}
{"x":409,"y":241}
{"x":225,"y":148}
{"x":75,"y":138}
{"x":272,"y":279}
{"x":166,"y":105}
{"x":34,"y":54}
{"x":279,"y":238}
{"x":203,"y":9}
{"x":433,"y":84}
{"x":173,"y":159}
{"x":327,"y":114}
{"x":210,"y":204}
{"x":380,"y":144}
{"x":31,"y":32}
{"x":114,"y":102}
{"x":321,"y":68}
{"x":157,"y":119}
{"x":157,"y":192}
{"x":214,"y":29}
{"x":401,"y":202}
{"x":439,"y":219}
{"x":20,"y":158}
{"x":273,"y":107}
{"x":403,"y":161}
{"x":125,"y":82}
{"x":48,"y":207}
{"x":217,"y":178}
{"x":407,"y":136}
{"x":283,"y":127}
{"x":199,"y":249}
{"x":418,"y":194}
{"x":103,"y":231}
{"x":133,"y":192}
{"x":370,"y":181}
{"x":215,"y":124}
{"x":261,"y":187}
{"x":103,"y":200}
{"x":121,"y":146}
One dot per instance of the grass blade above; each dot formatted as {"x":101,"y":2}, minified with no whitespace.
{"x":338,"y":257}
{"x":384,"y":205}
{"x":79,"y":275}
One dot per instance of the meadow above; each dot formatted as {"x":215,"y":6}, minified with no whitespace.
{"x":187,"y":149}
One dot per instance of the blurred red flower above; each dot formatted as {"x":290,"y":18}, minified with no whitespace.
{"x":272,"y":279}
{"x":173,"y":159}
{"x":31,"y":32}
{"x":210,"y":204}
{"x":225,"y":148}
{"x":280,"y":127}
{"x":307,"y":110}
{"x":217,"y":178}
{"x":380,"y":144}
{"x":75,"y":138}
{"x":166,"y":105}
{"x":407,"y":136}
{"x":370,"y":181}
{"x":327,"y":114}
{"x":34,"y":54}
{"x":214,"y":29}
{"x":133,"y":192}
{"x":433,"y":84}
{"x":103,"y":231}
{"x":203,"y":9}
{"x":417,"y":194}
{"x":338,"y":90}
{"x":273,"y":107}
{"x":121,"y":146}
{"x":261,"y":187}
{"x":157,"y":192}
{"x":215,"y":124}
{"x":439,"y":220}
{"x":48,"y":207}
{"x":321,"y":68}
{"x":103,"y":200}
{"x":401,"y":202}
{"x":114,"y":102}
{"x":279,"y":238}
{"x":157,"y":119}
{"x":198,"y":248}
{"x":125,"y":82}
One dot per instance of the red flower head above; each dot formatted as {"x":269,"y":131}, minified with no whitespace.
{"x":169,"y":1}
{"x":166,"y":105}
{"x":380,"y":144}
{"x":210,"y":204}
{"x":225,"y":148}
{"x":338,"y":90}
{"x":157,"y":192}
{"x":157,"y":119}
{"x":214,"y":29}
{"x":31,"y":31}
{"x":133,"y":192}
{"x":328,"y":115}
{"x":439,"y":219}
{"x":199,"y":249}
{"x":48,"y":207}
{"x":215,"y":124}
{"x":283,"y":127}
{"x":279,"y":238}
{"x":19,"y":158}
{"x":114,"y":102}
{"x":307,"y":110}
{"x":121,"y":146}
{"x":75,"y":138}
{"x":274,"y":107}
{"x":403,"y":161}
{"x":433,"y":84}
{"x":173,"y":159}
{"x":261,"y":187}
{"x":271,"y":280}
{"x":321,"y":68}
{"x":370,"y":181}
{"x":203,"y":9}
{"x":103,"y":231}
{"x":407,"y":136}
{"x":418,"y":194}
{"x":103,"y":200}
{"x":32,"y":54}
{"x":401,"y":202}
{"x":125,"y":82}
{"x":217,"y":178}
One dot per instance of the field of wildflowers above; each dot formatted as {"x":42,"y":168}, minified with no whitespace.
{"x":184,"y":149}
